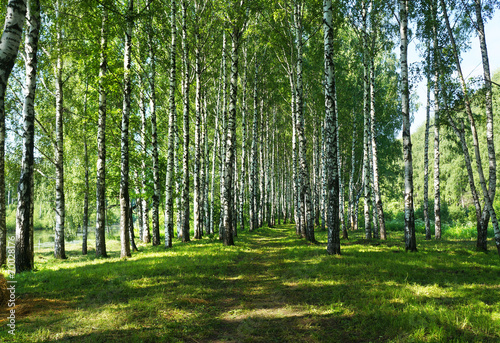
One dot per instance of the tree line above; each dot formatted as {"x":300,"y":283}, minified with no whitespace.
{"x":214,"y":117}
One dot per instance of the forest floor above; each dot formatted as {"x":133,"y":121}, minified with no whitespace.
{"x":270,"y":287}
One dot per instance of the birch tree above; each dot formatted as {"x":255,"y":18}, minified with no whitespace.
{"x":426,"y":164}
{"x":488,"y":201}
{"x":185,"y":115}
{"x":100,"y":239}
{"x":169,"y":205}
{"x":24,"y":221}
{"x":228,"y":195}
{"x":60,"y":207}
{"x":124,"y":156}
{"x":482,"y":236}
{"x":437,"y":125}
{"x":331,"y":132}
{"x":155,"y":211}
{"x":410,"y":241}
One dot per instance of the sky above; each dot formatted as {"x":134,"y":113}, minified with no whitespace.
{"x":471,"y":63}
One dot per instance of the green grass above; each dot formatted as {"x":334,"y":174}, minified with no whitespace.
{"x":270,"y":287}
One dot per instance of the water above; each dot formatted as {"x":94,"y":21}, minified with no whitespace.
{"x":44,"y":239}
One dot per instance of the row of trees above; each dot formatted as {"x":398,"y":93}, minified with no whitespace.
{"x":283,"y":93}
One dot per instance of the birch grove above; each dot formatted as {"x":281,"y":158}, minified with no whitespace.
{"x":290,"y":115}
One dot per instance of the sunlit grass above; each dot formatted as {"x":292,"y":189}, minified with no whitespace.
{"x":270,"y":287}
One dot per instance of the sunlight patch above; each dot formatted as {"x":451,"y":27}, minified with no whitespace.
{"x":277,"y":312}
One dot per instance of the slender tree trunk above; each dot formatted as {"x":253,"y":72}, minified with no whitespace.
{"x":331,"y":132}
{"x":323,"y":178}
{"x":169,"y":204}
{"x":308,"y":227}
{"x":351,"y":178}
{"x":59,"y":248}
{"x":437,"y":125}
{"x":206,"y":166}
{"x":185,"y":157}
{"x":482,"y":236}
{"x":410,"y":241}
{"x":197,"y":178}
{"x":366,"y":127}
{"x":460,"y":132}
{"x":295,"y":171}
{"x":228,"y":196}
{"x":253,"y":155}
{"x":138,"y":206}
{"x":216,"y":145}
{"x":315,"y":176}
{"x":155,"y":208}
{"x":178,"y":170}
{"x":85,"y":224}
{"x":263,"y":168}
{"x":142,"y":202}
{"x":223,"y":138}
{"x":243,"y":141}
{"x":376,"y":186}
{"x":345,"y":234}
{"x":24,"y":215}
{"x":100,"y":242}
{"x":125,"y":217}
{"x":131,"y":230}
{"x":426,"y":164}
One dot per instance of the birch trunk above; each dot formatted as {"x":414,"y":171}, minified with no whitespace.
{"x":437,"y":125}
{"x":243,"y":141}
{"x":143,"y":203}
{"x":169,"y":204}
{"x":366,"y":128}
{"x":131,"y":230}
{"x":24,"y":215}
{"x":100,"y":238}
{"x":124,"y":165}
{"x":345,"y":234}
{"x":214,"y":162}
{"x":351,"y":178}
{"x":197,"y":173}
{"x":426,"y":164}
{"x":228,"y":195}
{"x":295,"y":172}
{"x":206,"y":167}
{"x":59,"y":247}
{"x":331,"y":132}
{"x":376,"y":187}
{"x":307,"y":230}
{"x":223,"y":137}
{"x":261,"y":198}
{"x":323,"y":178}
{"x":85,"y":224}
{"x":410,"y":241}
{"x":185,"y":156}
{"x":155,"y":208}
{"x":482,"y":236}
{"x":253,"y":155}
{"x":460,"y":132}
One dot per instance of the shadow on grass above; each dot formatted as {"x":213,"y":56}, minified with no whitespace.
{"x":271,"y":287}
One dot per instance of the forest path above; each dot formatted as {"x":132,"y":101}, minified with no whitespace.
{"x":262,"y":286}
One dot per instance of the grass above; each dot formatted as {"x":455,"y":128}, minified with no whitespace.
{"x":270,"y":287}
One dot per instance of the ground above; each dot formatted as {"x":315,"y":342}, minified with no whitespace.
{"x":270,"y":287}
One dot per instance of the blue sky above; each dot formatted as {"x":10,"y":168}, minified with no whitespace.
{"x":471,"y":63}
